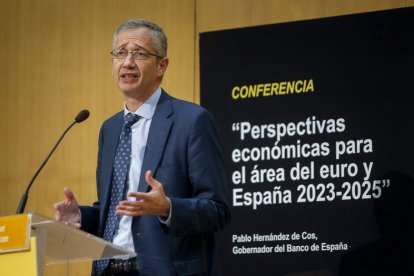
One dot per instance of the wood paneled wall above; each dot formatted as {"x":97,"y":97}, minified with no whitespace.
{"x":54,"y":61}
{"x":220,"y":15}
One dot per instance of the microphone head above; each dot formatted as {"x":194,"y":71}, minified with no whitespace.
{"x":82,"y":116}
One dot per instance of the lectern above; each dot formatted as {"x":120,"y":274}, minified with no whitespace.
{"x":29,"y":242}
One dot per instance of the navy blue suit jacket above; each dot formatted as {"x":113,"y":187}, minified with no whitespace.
{"x":184,"y":152}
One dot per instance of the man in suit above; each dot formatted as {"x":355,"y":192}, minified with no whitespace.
{"x":174,"y":199}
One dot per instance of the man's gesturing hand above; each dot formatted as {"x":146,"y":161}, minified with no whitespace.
{"x":155,"y":202}
{"x":67,"y":211}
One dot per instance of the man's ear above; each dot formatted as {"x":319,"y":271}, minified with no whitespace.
{"x":162,"y":66}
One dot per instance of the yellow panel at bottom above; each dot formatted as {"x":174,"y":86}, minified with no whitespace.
{"x":20,"y":263}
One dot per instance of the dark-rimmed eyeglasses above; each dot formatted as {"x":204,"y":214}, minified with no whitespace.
{"x":140,"y":54}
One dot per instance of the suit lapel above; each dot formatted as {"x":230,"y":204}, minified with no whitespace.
{"x":157,"y":138}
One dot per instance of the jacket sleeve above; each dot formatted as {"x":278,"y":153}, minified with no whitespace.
{"x":90,"y":214}
{"x":207,"y":210}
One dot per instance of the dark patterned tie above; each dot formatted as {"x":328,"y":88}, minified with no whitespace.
{"x":119,"y":182}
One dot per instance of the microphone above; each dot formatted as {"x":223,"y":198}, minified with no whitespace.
{"x":82,"y":116}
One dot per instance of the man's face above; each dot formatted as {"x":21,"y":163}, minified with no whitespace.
{"x":137,"y":78}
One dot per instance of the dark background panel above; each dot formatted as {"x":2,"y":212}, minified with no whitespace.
{"x":362,"y":69}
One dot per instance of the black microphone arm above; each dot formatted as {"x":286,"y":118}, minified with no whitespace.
{"x":82,"y":116}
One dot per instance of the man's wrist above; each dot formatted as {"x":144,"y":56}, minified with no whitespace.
{"x":167,"y":219}
{"x":80,"y":216}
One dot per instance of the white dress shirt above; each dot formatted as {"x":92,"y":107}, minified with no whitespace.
{"x":123,"y":237}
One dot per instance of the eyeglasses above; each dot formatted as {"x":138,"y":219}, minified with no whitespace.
{"x":140,"y":54}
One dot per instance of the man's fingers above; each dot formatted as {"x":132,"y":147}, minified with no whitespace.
{"x":151,"y":180}
{"x":135,"y":194}
{"x":127,"y":209}
{"x":76,"y":225}
{"x":139,"y":196}
{"x":58,"y":216}
{"x":68,"y":193}
{"x":60,"y":205}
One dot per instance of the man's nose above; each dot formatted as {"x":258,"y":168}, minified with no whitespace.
{"x":129,"y":60}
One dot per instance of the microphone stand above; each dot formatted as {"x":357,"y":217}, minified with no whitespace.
{"x":83,"y":115}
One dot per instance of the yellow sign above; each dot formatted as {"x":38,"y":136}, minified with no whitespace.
{"x":14,"y":233}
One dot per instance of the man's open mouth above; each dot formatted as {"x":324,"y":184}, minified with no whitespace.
{"x":129,"y":76}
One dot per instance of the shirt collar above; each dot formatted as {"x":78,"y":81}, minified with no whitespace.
{"x":147,"y":109}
